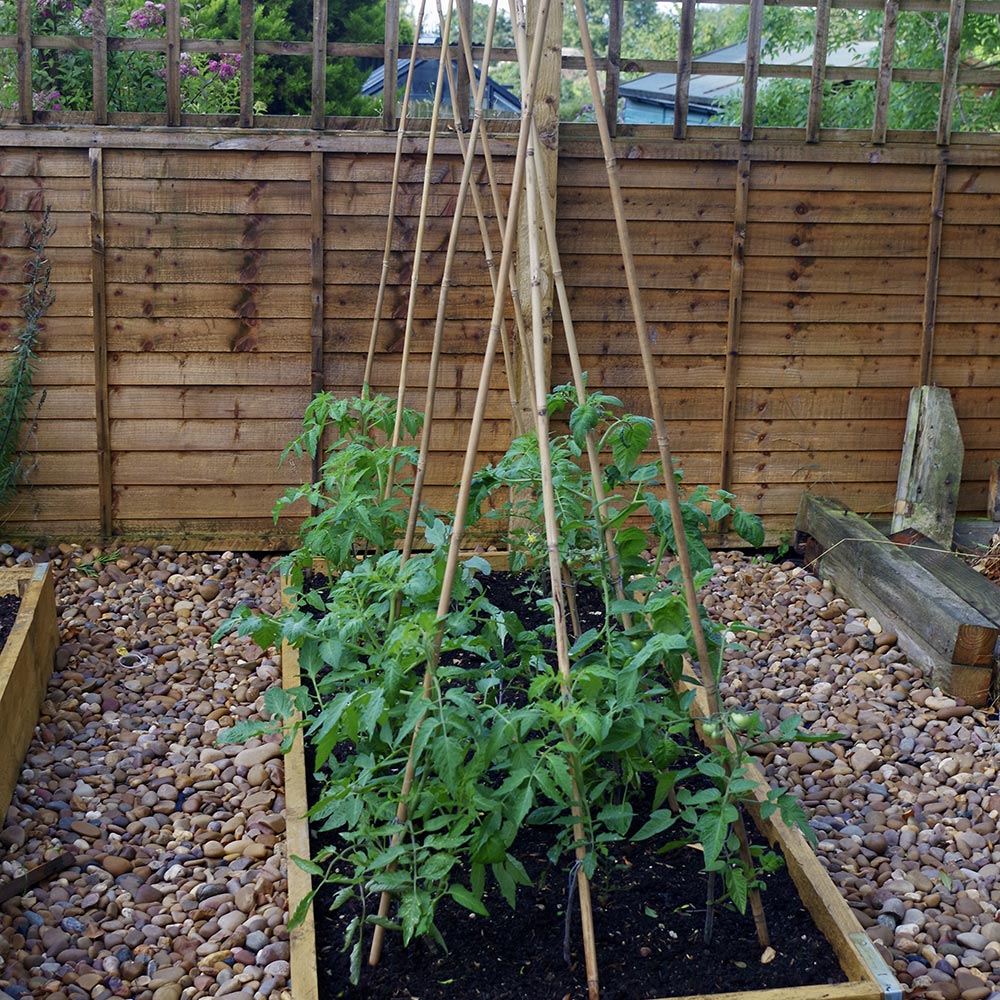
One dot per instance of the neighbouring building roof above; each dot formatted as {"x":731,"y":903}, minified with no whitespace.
{"x":496,"y":98}
{"x":651,"y":98}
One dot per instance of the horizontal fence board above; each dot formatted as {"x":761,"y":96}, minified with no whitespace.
{"x":69,"y":264}
{"x":72,"y":300}
{"x":57,"y":468}
{"x":215,"y":334}
{"x":645,"y":207}
{"x":882,"y":275}
{"x":834,"y":308}
{"x":233,"y":502}
{"x":783,"y":239}
{"x":219,"y":266}
{"x":848,"y":339}
{"x":233,"y":231}
{"x":856,"y":466}
{"x":821,"y":370}
{"x":54,"y":503}
{"x":882,"y":208}
{"x":33,"y":193}
{"x":184,"y":468}
{"x":62,"y":435}
{"x":189,"y":368}
{"x":208,"y":402}
{"x":209,"y":197}
{"x":587,"y":236}
{"x":43,"y":163}
{"x":579,"y":172}
{"x":130,"y":434}
{"x":223,"y":165}
{"x":889,"y":178}
{"x":821,"y":435}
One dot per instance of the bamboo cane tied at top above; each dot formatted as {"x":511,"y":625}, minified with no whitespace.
{"x":707,"y":675}
{"x":515,"y":294}
{"x":468,"y":152}
{"x":425,"y":197}
{"x":572,"y":349}
{"x":393,"y":196}
{"x":472,"y":451}
{"x":649,"y":367}
{"x":555,"y":569}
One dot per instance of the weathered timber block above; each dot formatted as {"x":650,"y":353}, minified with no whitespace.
{"x":969,"y":682}
{"x":26,"y":662}
{"x":953,"y":571}
{"x":936,"y":628}
{"x":930,"y":468}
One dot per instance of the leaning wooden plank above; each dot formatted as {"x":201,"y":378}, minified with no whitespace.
{"x":930,"y":470}
{"x":912,"y":596}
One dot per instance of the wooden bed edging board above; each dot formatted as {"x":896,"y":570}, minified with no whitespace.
{"x":869,"y":978}
{"x":25,"y":667}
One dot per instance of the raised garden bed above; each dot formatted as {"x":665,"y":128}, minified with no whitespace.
{"x":866,"y":977}
{"x":25,"y":666}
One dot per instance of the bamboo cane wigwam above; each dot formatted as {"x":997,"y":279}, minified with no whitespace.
{"x":529,"y":174}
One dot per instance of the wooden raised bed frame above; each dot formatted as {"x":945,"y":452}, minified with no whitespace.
{"x":26,"y":662}
{"x":867,"y":976}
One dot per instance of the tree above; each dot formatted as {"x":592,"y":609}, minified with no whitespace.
{"x":920,"y":43}
{"x":209,"y":83}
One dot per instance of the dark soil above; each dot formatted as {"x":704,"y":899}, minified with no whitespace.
{"x":9,"y":605}
{"x":649,"y":915}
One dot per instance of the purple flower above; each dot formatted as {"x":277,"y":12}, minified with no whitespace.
{"x":223,"y":68}
{"x":46,"y":100}
{"x":149,"y":15}
{"x":187,"y":66}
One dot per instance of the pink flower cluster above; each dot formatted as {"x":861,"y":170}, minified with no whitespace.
{"x":223,"y":68}
{"x":46,"y":100}
{"x":149,"y":15}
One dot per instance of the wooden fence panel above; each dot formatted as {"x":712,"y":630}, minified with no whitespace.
{"x":210,"y":282}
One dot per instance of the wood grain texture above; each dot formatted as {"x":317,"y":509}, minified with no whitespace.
{"x":875,"y":574}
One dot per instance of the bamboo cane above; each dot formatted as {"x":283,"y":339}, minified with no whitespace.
{"x":484,"y":231}
{"x":572,"y":349}
{"x":393,"y":195}
{"x":555,"y":570}
{"x":662,"y":439}
{"x":425,"y":195}
{"x":472,"y":450}
{"x":515,"y":293}
{"x":456,"y":224}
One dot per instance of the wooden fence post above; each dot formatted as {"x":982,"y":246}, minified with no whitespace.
{"x":933,"y":270}
{"x":102,"y":415}
{"x":736,"y":272}
{"x":248,"y":41}
{"x":316,"y":285}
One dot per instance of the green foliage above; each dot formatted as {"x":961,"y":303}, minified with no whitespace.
{"x":209,"y":82}
{"x":18,"y":390}
{"x":361,"y":500}
{"x":920,"y":44}
{"x":464,"y":717}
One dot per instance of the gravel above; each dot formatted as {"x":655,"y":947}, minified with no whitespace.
{"x":182,"y":888}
